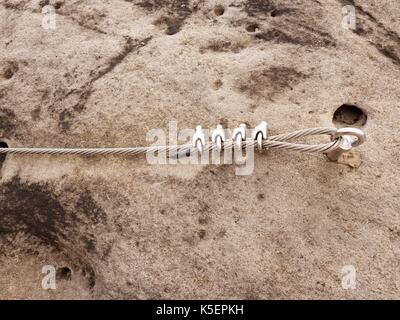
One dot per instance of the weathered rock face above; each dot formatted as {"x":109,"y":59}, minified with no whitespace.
{"x":117,"y":227}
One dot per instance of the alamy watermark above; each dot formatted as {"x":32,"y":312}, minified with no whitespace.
{"x":49,"y":280}
{"x":349,"y":17}
{"x":242,"y":158}
{"x":49,"y":18}
{"x":349,"y":277}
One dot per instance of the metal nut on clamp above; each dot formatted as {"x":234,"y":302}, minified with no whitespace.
{"x":199,"y":140}
{"x":260,"y":134}
{"x":346,"y":141}
{"x":239,"y":135}
{"x":218,"y":137}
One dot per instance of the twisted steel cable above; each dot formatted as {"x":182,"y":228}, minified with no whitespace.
{"x":280,"y":142}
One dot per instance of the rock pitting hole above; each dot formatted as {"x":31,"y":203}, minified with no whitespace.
{"x":8,"y":70}
{"x":349,"y":115}
{"x":252,"y":27}
{"x":64,"y":273}
{"x":219,"y":10}
{"x":172,"y":29}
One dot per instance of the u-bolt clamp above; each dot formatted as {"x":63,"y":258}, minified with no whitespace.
{"x":346,"y":141}
{"x":239,"y":135}
{"x":199,"y":140}
{"x":260,"y":134}
{"x":218,"y":137}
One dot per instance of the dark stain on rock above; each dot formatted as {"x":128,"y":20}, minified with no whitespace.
{"x":8,"y":122}
{"x":89,"y":274}
{"x":177,"y":11}
{"x":36,"y":210}
{"x":217,"y":84}
{"x":281,"y":12}
{"x":35,"y":113}
{"x":300,"y":24}
{"x":202,"y":234}
{"x":89,"y":243}
{"x":261,"y":196}
{"x":386,"y":41}
{"x":269,"y":82}
{"x":14,"y":5}
{"x":180,"y":7}
{"x":86,"y":204}
{"x":32,"y":208}
{"x":66,"y":116}
{"x":221,"y":233}
{"x":278,"y":36}
{"x":64,"y":120}
{"x":172,"y":24}
{"x":224,"y":122}
{"x":259,"y":7}
{"x":222,"y":46}
{"x":203,"y":220}
{"x":8,"y":69}
{"x":307,"y":38}
{"x":389,"y":52}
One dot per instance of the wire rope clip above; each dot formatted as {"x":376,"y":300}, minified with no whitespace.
{"x":199,"y":140}
{"x":239,"y":135}
{"x":218,"y":137}
{"x":347,"y":141}
{"x":260,"y":134}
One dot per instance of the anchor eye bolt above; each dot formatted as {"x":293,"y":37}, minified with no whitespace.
{"x":348,"y":138}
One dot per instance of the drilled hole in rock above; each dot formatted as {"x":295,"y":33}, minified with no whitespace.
{"x":252,"y":27}
{"x":8,"y":69}
{"x":219,"y":10}
{"x":2,"y":156}
{"x":43,"y":3}
{"x":58,"y":5}
{"x":349,"y":115}
{"x":8,"y":73}
{"x":172,"y":29}
{"x":64,"y":273}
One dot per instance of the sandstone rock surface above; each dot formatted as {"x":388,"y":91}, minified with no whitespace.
{"x":117,"y":227}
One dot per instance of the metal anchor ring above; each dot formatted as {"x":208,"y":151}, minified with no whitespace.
{"x":359,"y":134}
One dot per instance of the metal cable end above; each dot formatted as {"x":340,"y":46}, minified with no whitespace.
{"x":199,"y":140}
{"x":260,"y":134}
{"x":218,"y":137}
